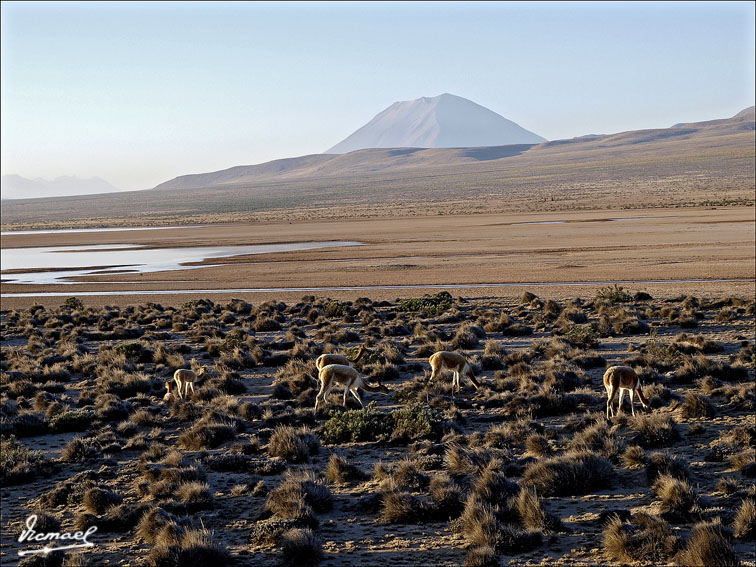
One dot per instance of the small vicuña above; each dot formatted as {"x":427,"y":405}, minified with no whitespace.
{"x":349,"y":377}
{"x":622,"y":379}
{"x":456,"y":363}
{"x":185,"y":379}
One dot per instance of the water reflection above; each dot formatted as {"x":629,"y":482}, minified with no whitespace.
{"x":61,"y":263}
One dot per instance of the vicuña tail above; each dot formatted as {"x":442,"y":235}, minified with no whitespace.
{"x":641,"y":397}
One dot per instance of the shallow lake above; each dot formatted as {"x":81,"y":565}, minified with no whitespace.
{"x":64,"y":262}
{"x":80,"y":230}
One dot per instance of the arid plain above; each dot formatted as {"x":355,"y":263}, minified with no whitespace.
{"x":664,"y":246}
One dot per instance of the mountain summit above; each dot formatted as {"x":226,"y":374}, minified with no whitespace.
{"x":444,"y":121}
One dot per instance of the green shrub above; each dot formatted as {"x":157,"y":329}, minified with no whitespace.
{"x":412,"y":422}
{"x":581,"y":335}
{"x":74,"y":303}
{"x":73,"y":420}
{"x":614,"y":293}
{"x":428,"y":304}
{"x":357,"y":425}
{"x":18,"y":464}
{"x":416,"y":421}
{"x":134,"y":351}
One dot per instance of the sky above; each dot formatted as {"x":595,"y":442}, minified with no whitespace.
{"x":138,"y":93}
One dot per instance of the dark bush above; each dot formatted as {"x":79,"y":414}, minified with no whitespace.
{"x":293,"y":445}
{"x":696,"y":406}
{"x":654,"y":430}
{"x":97,"y":500}
{"x":664,"y":464}
{"x":18,"y":464}
{"x":80,"y":450}
{"x":569,"y":474}
{"x":300,"y":546}
{"x":73,"y":420}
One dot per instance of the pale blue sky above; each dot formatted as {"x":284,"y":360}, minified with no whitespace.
{"x":138,"y":93}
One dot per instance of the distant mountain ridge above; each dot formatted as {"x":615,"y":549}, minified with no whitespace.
{"x":444,"y":121}
{"x":17,"y":187}
{"x":370,"y":162}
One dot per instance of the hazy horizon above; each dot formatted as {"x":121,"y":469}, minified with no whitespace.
{"x":139,"y":93}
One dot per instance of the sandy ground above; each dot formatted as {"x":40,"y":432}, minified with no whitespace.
{"x":659,"y":244}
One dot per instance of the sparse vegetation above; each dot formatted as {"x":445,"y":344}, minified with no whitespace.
{"x":81,"y":393}
{"x":428,"y":304}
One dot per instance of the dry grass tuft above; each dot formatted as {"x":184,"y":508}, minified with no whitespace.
{"x":533,"y":515}
{"x":654,"y":430}
{"x":709,"y":545}
{"x":677,"y":497}
{"x":97,"y":500}
{"x":481,"y":556}
{"x":744,"y":524}
{"x":569,"y":474}
{"x":339,"y":471}
{"x":299,"y":546}
{"x":293,"y":445}
{"x":186,"y":547}
{"x":644,"y":538}
{"x":298,"y":497}
{"x":696,"y":406}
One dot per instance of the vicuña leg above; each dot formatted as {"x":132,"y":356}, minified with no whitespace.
{"x":632,"y":403}
{"x":322,"y":395}
{"x":610,"y":393}
{"x":356,"y":394}
{"x":621,"y":396}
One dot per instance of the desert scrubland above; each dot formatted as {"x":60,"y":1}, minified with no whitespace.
{"x":525,"y":470}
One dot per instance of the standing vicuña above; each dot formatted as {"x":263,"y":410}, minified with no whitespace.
{"x":333,"y":373}
{"x":326,"y":359}
{"x":185,"y":379}
{"x":454,"y":362}
{"x":622,"y":378}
